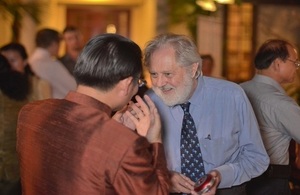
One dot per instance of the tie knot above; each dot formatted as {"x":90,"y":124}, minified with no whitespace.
{"x":185,"y":107}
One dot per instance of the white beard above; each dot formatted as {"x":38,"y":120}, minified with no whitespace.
{"x":176,"y":95}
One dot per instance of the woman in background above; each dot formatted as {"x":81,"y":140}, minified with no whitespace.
{"x":17,"y":57}
{"x":14,"y":90}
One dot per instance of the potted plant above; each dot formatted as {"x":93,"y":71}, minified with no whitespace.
{"x":17,"y":9}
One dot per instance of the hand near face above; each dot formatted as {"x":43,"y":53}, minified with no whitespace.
{"x":145,"y":116}
{"x":120,"y":117}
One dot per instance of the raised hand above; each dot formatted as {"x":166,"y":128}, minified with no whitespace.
{"x":145,"y":116}
{"x":120,"y":117}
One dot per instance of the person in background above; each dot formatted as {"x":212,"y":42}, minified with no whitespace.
{"x":278,"y":115}
{"x":44,"y":64}
{"x":208,"y":64}
{"x":209,"y":125}
{"x":14,"y":90}
{"x":17,"y":57}
{"x":73,"y":42}
{"x":74,"y":147}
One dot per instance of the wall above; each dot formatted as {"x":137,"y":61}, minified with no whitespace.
{"x":274,"y":21}
{"x":279,"y":22}
{"x":210,"y":40}
{"x":143,"y":20}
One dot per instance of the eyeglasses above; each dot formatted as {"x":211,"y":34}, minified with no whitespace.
{"x":296,"y":62}
{"x":142,"y":82}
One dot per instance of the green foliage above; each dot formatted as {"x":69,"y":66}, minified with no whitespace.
{"x":184,"y":10}
{"x":188,"y":11}
{"x":16,"y":9}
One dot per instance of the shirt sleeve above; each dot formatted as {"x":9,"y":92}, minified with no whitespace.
{"x":61,"y":80}
{"x":288,"y":115}
{"x":143,"y":170}
{"x":252,"y":159}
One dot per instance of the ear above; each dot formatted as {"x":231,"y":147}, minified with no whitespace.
{"x":124,"y":86}
{"x":276,"y":64}
{"x":195,"y":70}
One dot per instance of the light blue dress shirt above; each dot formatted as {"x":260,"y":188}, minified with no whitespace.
{"x":278,"y":116}
{"x":227,"y":130}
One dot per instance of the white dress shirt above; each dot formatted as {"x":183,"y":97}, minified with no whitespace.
{"x":53,"y":71}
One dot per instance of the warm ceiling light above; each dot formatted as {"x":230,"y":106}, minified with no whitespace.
{"x":111,"y":28}
{"x":207,"y":5}
{"x":225,"y":1}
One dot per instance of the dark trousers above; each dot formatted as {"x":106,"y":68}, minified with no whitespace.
{"x":10,"y":188}
{"x":274,"y":181}
{"x":235,"y":190}
{"x":269,"y":186}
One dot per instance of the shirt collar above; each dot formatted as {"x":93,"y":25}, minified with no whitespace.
{"x":196,"y":97}
{"x":42,"y":52}
{"x":269,"y":81}
{"x":86,"y":100}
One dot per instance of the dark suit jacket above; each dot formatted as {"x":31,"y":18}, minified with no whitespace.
{"x":72,"y":146}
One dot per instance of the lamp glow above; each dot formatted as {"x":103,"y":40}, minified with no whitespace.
{"x":111,"y":28}
{"x":225,"y":1}
{"x":207,"y":5}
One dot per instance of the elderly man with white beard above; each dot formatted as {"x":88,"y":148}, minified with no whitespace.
{"x":220,"y":135}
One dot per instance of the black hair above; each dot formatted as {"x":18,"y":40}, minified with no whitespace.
{"x":17,"y":47}
{"x":270,"y":51}
{"x":45,"y":37}
{"x":12,"y":84}
{"x":70,"y":29}
{"x":207,"y":57}
{"x":106,"y":59}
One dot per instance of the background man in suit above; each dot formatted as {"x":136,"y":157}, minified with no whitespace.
{"x":73,"y":146}
{"x":73,"y":42}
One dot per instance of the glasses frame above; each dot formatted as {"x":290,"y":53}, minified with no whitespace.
{"x":296,"y":62}
{"x":142,"y":82}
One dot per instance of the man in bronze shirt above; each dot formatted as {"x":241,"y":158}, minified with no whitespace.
{"x":73,"y":146}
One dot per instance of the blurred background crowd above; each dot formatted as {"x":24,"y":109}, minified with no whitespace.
{"x":35,"y":32}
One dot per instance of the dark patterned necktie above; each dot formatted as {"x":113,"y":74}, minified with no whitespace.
{"x":191,"y":157}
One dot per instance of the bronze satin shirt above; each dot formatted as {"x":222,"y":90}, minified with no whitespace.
{"x":72,"y":146}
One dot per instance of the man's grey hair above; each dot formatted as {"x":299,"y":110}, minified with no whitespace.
{"x":186,"y":52}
